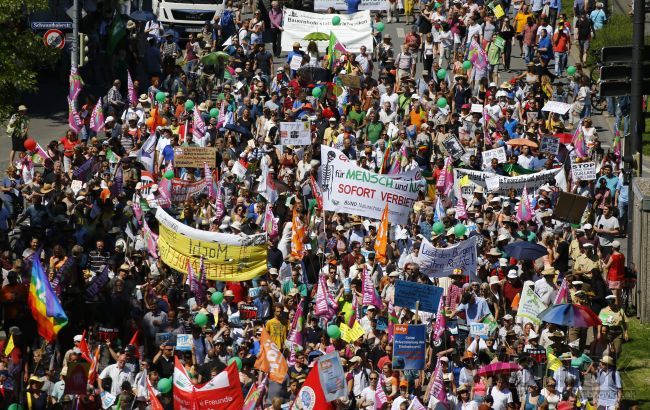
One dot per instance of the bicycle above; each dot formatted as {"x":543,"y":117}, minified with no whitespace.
{"x":597,"y":101}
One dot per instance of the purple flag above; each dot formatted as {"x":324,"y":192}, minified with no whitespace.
{"x":370,"y":296}
{"x":97,"y":117}
{"x":295,"y":334}
{"x":150,"y":238}
{"x":441,"y":321}
{"x":85,"y":171}
{"x":76,"y":83}
{"x":133,"y":99}
{"x":524,"y":209}
{"x":74,"y":121}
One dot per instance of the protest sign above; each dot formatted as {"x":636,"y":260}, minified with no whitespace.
{"x":226,"y":257}
{"x":296,"y":62}
{"x":109,"y":333}
{"x":332,"y":376}
{"x":481,"y":330}
{"x":499,"y":41}
{"x":353,"y":31}
{"x":498,"y":153}
{"x":184,"y":342}
{"x":340,"y":5}
{"x":477,"y":108}
{"x":440,"y":262}
{"x":195,"y":157}
{"x":408,"y":293}
{"x":408,"y":347}
{"x":247,"y":311}
{"x":557,"y":107}
{"x":162,"y":338}
{"x":350,"y":335}
{"x":351,"y":189}
{"x":253,"y":292}
{"x":583,"y":171}
{"x":183,"y":190}
{"x":351,"y":81}
{"x":549,"y":144}
{"x":295,"y":133}
{"x":454,"y":147}
{"x":382,"y":323}
{"x":76,"y":381}
{"x":530,"y":305}
{"x":239,"y":169}
{"x":531,"y":181}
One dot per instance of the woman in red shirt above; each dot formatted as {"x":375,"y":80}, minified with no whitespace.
{"x":70,"y":141}
{"x":615,"y":268}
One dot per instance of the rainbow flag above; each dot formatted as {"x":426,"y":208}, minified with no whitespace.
{"x":477,"y":56}
{"x":76,"y":84}
{"x":228,"y":74}
{"x":578,"y":142}
{"x":44,"y":304}
{"x":335,"y":50}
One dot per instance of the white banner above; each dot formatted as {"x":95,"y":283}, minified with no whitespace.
{"x":498,"y":153}
{"x":353,"y":32}
{"x":440,"y":262}
{"x":583,"y":171}
{"x":295,"y":133}
{"x":531,"y":181}
{"x":557,"y":107}
{"x":351,"y":189}
{"x":530,"y":305}
{"x":372,"y":5}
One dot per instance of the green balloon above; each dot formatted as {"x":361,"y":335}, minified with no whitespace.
{"x":316,"y":92}
{"x":380,"y":26}
{"x":217,"y":298}
{"x":459,"y":230}
{"x":164,"y":385}
{"x":201,"y":319}
{"x":214,"y":112}
{"x":189,"y":105}
{"x":571,"y":70}
{"x":336,"y":20}
{"x":15,"y":406}
{"x":467,"y":65}
{"x":442,"y":102}
{"x":237,"y":360}
{"x":160,"y":96}
{"x":333,"y":331}
{"x":438,"y":227}
{"x":168,"y":174}
{"x":442,"y":73}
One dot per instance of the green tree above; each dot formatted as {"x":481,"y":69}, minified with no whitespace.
{"x":22,"y":52}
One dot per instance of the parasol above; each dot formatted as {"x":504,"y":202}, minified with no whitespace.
{"x":496,"y":368}
{"x":142,"y":15}
{"x":214,"y":57}
{"x":524,"y":250}
{"x":522,"y":141}
{"x":572,"y":315}
{"x":317,"y":36}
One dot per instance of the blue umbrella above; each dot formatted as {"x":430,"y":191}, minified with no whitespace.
{"x":524,"y":250}
{"x":568,"y":314}
{"x":142,"y":15}
{"x":239,"y":129}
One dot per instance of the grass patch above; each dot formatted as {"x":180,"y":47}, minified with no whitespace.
{"x":634,"y":366}
{"x":617,"y":32}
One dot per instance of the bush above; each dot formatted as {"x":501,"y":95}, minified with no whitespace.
{"x":617,"y":32}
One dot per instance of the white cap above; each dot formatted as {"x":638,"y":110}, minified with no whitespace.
{"x":507,"y":317}
{"x":616,"y":245}
{"x":77,"y":338}
{"x":109,"y":119}
{"x":587,"y":227}
{"x":512,"y":274}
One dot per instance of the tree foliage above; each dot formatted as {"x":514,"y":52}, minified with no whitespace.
{"x":22,"y":52}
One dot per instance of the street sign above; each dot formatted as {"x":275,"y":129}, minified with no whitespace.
{"x":54,"y":38}
{"x":48,"y":25}
{"x":70,"y":12}
{"x":620,"y":54}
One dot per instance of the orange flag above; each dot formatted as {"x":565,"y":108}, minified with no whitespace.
{"x":270,"y":359}
{"x":515,"y":302}
{"x":381,"y":242}
{"x":297,"y":235}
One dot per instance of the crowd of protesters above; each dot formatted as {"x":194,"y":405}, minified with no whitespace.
{"x":82,"y":217}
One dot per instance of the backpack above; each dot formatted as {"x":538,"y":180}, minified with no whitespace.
{"x":227,"y":18}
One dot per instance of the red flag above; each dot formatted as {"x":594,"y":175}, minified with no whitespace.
{"x":310,"y":395}
{"x":83,"y":347}
{"x":297,"y":235}
{"x":381,"y":242}
{"x":92,"y":373}
{"x":134,"y":342}
{"x":155,"y":403}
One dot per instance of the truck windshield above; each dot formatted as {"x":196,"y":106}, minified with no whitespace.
{"x":214,"y":2}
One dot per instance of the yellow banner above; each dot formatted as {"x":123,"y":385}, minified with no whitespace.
{"x":222,"y":261}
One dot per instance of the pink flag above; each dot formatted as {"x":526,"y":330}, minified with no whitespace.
{"x":370,"y":296}
{"x":446,"y":179}
{"x":617,"y":143}
{"x":212,"y":193}
{"x":220,"y":207}
{"x":578,"y":142}
{"x":137,"y":209}
{"x":392,"y":319}
{"x":270,"y":222}
{"x":133,"y":99}
{"x":221,"y":119}
{"x":325,"y":304}
{"x":198,"y":127}
{"x":165,"y":189}
{"x":461,"y":211}
{"x":191,"y":278}
{"x":417,"y":405}
{"x":97,"y":117}
{"x":150,"y":238}
{"x":524,"y":209}
{"x":437,"y":388}
{"x":74,"y":122}
{"x":201,"y":298}
{"x":441,"y":320}
{"x":76,"y":83}
{"x":380,"y":397}
{"x":295,"y":334}
{"x":563,"y":294}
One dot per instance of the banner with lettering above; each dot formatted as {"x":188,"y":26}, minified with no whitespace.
{"x":502,"y":185}
{"x":340,"y":5}
{"x":351,"y":189}
{"x":530,"y":305}
{"x":226,"y":257}
{"x":440,"y":262}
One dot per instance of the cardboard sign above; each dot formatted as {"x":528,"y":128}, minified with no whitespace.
{"x":454,"y":147}
{"x":350,"y":335}
{"x":351,"y":81}
{"x":549,"y":144}
{"x":184,"y":342}
{"x":499,"y":41}
{"x":295,"y":133}
{"x":583,"y":171}
{"x":194,"y":157}
{"x":408,"y":293}
{"x":570,"y":207}
{"x":557,"y":107}
{"x":162,"y":338}
{"x":247,"y":311}
{"x":481,"y":330}
{"x":498,"y":153}
{"x":409,"y":347}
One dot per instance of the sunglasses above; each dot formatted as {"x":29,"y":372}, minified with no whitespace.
{"x":373,"y":378}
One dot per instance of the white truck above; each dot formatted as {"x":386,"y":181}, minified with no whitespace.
{"x":186,"y":16}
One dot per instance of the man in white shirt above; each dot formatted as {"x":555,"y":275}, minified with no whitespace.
{"x":366,"y":401}
{"x":391,"y":98}
{"x":545,"y":288}
{"x":118,"y":374}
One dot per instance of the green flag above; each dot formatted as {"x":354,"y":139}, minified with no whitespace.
{"x":116,"y":33}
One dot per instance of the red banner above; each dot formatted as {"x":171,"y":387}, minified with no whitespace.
{"x":223,"y":392}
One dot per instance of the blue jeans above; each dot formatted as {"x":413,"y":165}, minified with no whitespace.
{"x":611,"y":105}
{"x":560,"y":63}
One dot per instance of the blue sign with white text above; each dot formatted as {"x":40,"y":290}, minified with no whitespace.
{"x":409,"y":347}
{"x":407,"y":293}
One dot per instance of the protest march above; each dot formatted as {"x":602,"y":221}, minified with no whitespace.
{"x":291,"y":209}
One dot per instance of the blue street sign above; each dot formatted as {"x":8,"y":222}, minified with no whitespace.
{"x":48,"y":25}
